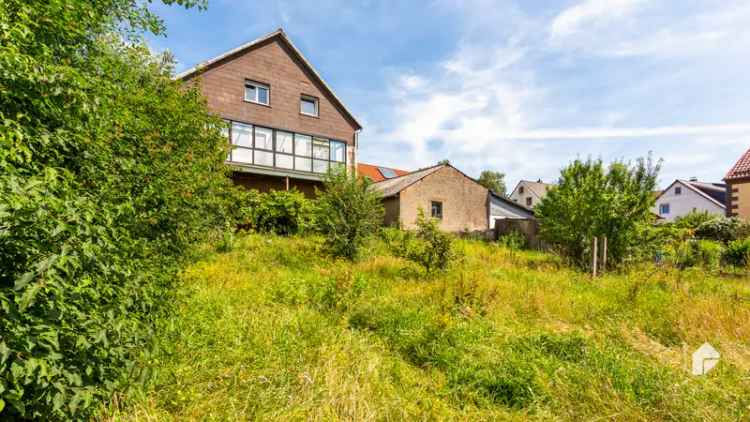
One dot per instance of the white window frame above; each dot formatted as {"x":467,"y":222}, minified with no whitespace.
{"x":315,"y":102}
{"x":663,"y":207}
{"x":257,"y":85}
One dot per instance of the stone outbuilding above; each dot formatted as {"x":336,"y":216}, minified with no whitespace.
{"x":443,"y":192}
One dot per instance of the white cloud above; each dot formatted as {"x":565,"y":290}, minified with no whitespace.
{"x":591,"y":13}
{"x":624,"y":28}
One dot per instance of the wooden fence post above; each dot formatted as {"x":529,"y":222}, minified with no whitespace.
{"x":604,"y":254}
{"x":594,"y":257}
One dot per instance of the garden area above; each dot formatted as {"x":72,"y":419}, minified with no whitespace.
{"x":275,"y":329}
{"x":137,"y":282}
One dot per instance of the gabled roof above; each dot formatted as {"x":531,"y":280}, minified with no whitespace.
{"x":375,"y":173}
{"x":390,"y":187}
{"x":281,"y":35}
{"x":539,"y":188}
{"x":741,"y":168}
{"x":512,"y":204}
{"x":715,"y":193}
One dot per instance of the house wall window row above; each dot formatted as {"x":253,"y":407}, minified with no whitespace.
{"x":282,"y":149}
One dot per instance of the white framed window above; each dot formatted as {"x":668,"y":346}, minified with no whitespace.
{"x":308,"y":106}
{"x":256,"y":92}
{"x":664,"y":209}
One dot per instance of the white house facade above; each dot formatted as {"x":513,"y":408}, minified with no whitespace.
{"x":528,"y":194}
{"x":684,"y":196}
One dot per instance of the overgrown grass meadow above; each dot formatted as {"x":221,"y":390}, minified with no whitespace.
{"x":274,"y":330}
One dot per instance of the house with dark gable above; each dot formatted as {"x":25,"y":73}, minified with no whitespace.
{"x":286,"y":125}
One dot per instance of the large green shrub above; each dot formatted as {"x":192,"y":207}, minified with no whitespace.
{"x":593,"y":201}
{"x":737,"y":254}
{"x":109,"y":169}
{"x":348,"y":212}
{"x":723,"y":229}
{"x":698,"y":253}
{"x":280,"y":212}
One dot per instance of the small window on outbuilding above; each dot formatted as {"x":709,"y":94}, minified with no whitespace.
{"x":437,"y":210}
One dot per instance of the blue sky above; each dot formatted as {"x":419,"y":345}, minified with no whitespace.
{"x":521,"y":87}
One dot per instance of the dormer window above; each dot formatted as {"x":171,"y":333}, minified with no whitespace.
{"x":256,"y":92}
{"x":308,"y":106}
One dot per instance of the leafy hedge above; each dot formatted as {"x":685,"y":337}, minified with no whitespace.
{"x":279,"y":212}
{"x":108,"y":171}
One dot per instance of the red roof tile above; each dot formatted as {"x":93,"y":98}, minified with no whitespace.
{"x":374,"y":173}
{"x":741,"y":168}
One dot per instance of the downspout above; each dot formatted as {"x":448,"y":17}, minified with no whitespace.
{"x":356,"y":146}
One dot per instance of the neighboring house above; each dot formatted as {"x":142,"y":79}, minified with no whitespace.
{"x":378,"y":173}
{"x":285,"y":123}
{"x":684,"y":196}
{"x":528,"y":193}
{"x":738,"y":188}
{"x":442,"y":192}
{"x":503,"y":208}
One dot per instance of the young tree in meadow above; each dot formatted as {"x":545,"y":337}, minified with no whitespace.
{"x":348,"y":212}
{"x":592,"y":200}
{"x":494,"y":181}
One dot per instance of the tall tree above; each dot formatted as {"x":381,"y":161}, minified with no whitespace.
{"x":108,"y":170}
{"x":592,"y":200}
{"x":494,"y":181}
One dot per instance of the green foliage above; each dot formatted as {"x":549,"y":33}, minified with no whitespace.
{"x":494,"y":181}
{"x":348,"y":212}
{"x":698,"y":253}
{"x":428,"y":246}
{"x":593,"y":201}
{"x":514,"y":240}
{"x":279,"y":212}
{"x":737,"y":253}
{"x":694,"y":219}
{"x":109,"y":170}
{"x":723,"y":229}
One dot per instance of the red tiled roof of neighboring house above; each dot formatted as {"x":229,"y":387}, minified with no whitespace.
{"x":741,"y":168}
{"x":375,"y":173}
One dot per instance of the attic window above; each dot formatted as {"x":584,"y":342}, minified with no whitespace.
{"x":256,"y":92}
{"x":308,"y":106}
{"x":520,"y":190}
{"x":678,"y":190}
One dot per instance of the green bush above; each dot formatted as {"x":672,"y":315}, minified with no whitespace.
{"x":592,"y":200}
{"x":698,"y":253}
{"x":737,"y":254}
{"x":348,"y":212}
{"x":279,"y":212}
{"x":109,"y":170}
{"x":428,"y":246}
{"x":723,"y":229}
{"x":514,"y":240}
{"x":694,"y":219}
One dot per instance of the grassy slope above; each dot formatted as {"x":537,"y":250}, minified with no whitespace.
{"x":274,"y":331}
